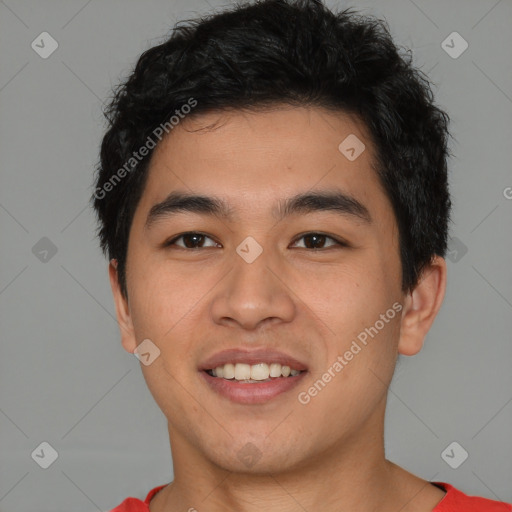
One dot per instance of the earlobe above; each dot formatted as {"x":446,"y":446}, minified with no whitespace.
{"x":421,"y":307}
{"x":124,"y":319}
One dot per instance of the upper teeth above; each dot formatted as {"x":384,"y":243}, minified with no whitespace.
{"x":260,"y":371}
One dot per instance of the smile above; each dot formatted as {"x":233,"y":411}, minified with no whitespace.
{"x":251,"y":391}
{"x":252,"y":373}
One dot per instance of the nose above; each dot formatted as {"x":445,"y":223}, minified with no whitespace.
{"x":253,"y":294}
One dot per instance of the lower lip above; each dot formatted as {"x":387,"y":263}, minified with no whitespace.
{"x":251,"y":393}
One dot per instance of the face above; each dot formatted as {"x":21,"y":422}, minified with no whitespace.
{"x":314,"y":284}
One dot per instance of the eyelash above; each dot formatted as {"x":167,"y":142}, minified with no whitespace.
{"x":339,"y":243}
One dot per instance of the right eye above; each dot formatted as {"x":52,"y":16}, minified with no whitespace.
{"x":191,"y":240}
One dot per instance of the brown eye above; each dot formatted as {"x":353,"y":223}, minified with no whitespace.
{"x":314,"y":241}
{"x":191,"y":240}
{"x":318,"y":241}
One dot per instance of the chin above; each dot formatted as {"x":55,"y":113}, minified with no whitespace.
{"x":258,"y":457}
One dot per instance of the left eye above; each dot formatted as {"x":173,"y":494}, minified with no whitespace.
{"x":191,"y":240}
{"x":315,"y":239}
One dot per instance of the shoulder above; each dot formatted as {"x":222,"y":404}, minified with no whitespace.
{"x":131,"y":505}
{"x":136,"y":505}
{"x":456,"y":501}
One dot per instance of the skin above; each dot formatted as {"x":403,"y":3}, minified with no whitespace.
{"x":309,"y":303}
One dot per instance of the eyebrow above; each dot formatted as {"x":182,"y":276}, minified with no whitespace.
{"x":304,"y":203}
{"x":178,"y":202}
{"x":318,"y":201}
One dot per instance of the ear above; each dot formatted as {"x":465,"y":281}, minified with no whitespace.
{"x":128,"y":339}
{"x":421,"y":307}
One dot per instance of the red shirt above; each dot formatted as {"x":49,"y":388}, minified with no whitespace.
{"x":453,"y":501}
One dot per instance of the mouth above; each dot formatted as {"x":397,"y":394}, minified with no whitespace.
{"x":260,"y":372}
{"x":251,"y":377}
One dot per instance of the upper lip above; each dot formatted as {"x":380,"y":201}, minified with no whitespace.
{"x":254,"y":356}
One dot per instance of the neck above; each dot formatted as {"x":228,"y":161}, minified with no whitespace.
{"x":353,"y":474}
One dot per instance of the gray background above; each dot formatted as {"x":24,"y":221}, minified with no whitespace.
{"x":64,"y":377}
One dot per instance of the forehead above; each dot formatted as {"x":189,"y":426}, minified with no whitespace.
{"x":255,"y":158}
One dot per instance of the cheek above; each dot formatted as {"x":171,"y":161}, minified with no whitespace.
{"x":356,"y":304}
{"x":159,"y":296}
{"x":347,"y":297}
{"x":358,"y":370}
{"x":169,"y":309}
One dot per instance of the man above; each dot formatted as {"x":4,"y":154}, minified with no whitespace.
{"x":272,"y":195}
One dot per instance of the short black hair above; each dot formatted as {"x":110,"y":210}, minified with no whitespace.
{"x":298,"y":53}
